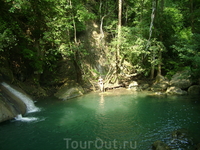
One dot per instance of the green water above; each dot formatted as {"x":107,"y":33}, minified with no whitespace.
{"x":93,"y":121}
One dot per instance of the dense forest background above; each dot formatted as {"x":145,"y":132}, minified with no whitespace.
{"x":50,"y":42}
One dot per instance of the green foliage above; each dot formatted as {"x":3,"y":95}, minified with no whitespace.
{"x":43,"y":32}
{"x":7,"y":40}
{"x":188,"y":49}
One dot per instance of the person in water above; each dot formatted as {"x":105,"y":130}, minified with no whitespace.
{"x":101,"y":86}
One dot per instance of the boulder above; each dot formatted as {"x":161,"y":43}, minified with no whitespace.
{"x":10,"y":105}
{"x":197,"y":147}
{"x":161,"y":79}
{"x":69,"y":90}
{"x":194,"y":89}
{"x":159,"y":87}
{"x":133,"y":84}
{"x":160,"y":84}
{"x":6,"y":112}
{"x":175,"y":90}
{"x":180,"y":133}
{"x":181,"y":79}
{"x":159,"y":145}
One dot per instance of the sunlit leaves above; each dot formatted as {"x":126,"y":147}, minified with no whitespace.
{"x":18,"y":5}
{"x":7,"y":39}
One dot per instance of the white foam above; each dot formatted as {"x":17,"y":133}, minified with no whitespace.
{"x":25,"y":119}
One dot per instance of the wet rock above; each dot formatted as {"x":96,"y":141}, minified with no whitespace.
{"x":175,"y":91}
{"x":181,"y":139}
{"x":159,"y":145}
{"x":6,"y":111}
{"x":32,"y":89}
{"x":69,"y":90}
{"x":181,"y":79}
{"x":179,"y":133}
{"x":194,"y":89}
{"x":10,"y":105}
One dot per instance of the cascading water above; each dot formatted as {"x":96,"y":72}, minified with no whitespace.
{"x":25,"y":119}
{"x":28,"y":102}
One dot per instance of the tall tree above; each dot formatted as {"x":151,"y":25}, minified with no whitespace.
{"x":119,"y":27}
{"x":161,"y":39}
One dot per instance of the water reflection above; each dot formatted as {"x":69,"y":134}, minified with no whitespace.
{"x":102,"y":102}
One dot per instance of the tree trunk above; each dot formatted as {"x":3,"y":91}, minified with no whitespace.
{"x":153,"y":17}
{"x":161,"y":39}
{"x":76,"y":52}
{"x":119,"y":37}
{"x":152,"y":65}
{"x":159,"y":63}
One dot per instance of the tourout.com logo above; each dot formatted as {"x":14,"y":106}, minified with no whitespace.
{"x":99,"y":144}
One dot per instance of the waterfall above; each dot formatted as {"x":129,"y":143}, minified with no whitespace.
{"x":100,"y":70}
{"x":29,"y":102}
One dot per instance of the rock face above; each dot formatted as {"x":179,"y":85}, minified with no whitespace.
{"x":68,"y":91}
{"x":159,"y":145}
{"x":194,"y":89}
{"x":175,"y":90}
{"x":10,"y":105}
{"x":181,"y":80}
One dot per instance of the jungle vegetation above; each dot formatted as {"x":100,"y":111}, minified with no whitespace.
{"x":156,"y":37}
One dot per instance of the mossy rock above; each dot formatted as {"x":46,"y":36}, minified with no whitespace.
{"x":194,"y":89}
{"x":69,"y":91}
{"x":182,"y":79}
{"x":159,"y":145}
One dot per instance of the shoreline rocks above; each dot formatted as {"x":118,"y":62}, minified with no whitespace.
{"x":179,"y":139}
{"x":68,"y":91}
{"x":181,"y":79}
{"x":175,"y":90}
{"x":180,"y":84}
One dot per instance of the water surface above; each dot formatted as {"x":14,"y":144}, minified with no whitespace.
{"x":108,"y":121}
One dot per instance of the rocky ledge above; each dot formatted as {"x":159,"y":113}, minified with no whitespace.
{"x":181,"y":83}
